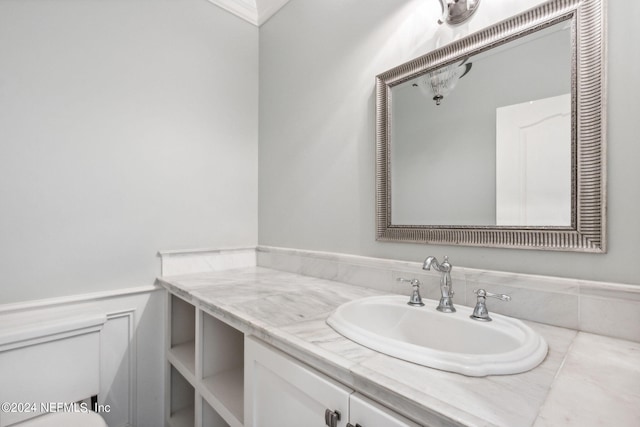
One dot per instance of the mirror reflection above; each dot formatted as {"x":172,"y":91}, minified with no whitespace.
{"x":487,"y":140}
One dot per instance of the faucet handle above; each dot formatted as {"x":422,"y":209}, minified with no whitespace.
{"x":482,"y":293}
{"x":480,"y":312}
{"x":415,"y":299}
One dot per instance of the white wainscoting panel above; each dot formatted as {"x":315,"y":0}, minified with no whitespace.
{"x":131,"y":350}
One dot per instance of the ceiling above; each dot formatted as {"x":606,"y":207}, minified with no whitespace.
{"x":255,"y":11}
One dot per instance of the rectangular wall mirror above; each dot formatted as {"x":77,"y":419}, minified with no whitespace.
{"x":498,"y":139}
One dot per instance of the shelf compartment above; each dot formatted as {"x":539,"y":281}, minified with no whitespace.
{"x":211,"y":418}
{"x":182,"y":418}
{"x":182,"y":340}
{"x":182,"y":357}
{"x":223,"y":369}
{"x":225,"y":393}
{"x":181,"y":410}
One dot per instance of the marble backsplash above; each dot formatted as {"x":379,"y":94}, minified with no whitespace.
{"x":179,"y":262}
{"x":603,"y":308}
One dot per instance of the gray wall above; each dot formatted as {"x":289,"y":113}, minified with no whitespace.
{"x":126,"y":127}
{"x":316,"y":154}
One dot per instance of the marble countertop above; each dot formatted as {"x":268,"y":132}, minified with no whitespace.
{"x":586,"y":380}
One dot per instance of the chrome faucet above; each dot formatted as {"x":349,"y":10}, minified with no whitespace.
{"x":446,"y":286}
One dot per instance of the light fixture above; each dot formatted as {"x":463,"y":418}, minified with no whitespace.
{"x":442,"y":81}
{"x":457,"y":11}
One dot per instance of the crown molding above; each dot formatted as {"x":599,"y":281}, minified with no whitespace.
{"x":257,"y":12}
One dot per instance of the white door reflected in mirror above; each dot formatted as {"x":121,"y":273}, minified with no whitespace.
{"x":533,"y":163}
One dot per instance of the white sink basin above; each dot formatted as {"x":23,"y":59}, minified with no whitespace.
{"x":448,"y":341}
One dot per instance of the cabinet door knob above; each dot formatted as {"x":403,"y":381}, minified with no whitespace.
{"x":351,"y":425}
{"x":331,"y":418}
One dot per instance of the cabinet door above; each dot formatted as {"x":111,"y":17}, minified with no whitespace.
{"x":281,"y":392}
{"x":366,"y":413}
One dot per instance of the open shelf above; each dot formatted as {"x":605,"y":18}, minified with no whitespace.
{"x":182,"y":349}
{"x":211,"y":418}
{"x":182,"y":357}
{"x":182,"y":418}
{"x":225,"y":392}
{"x":206,"y":368}
{"x":223,"y":369}
{"x":182,"y":397}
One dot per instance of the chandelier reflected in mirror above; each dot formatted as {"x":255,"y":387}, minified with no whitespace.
{"x":457,"y":11}
{"x":441,"y":82}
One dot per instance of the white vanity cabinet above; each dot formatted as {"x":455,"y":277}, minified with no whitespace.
{"x":282,"y":392}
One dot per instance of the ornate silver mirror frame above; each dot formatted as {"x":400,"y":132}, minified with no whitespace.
{"x":587,"y":230}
